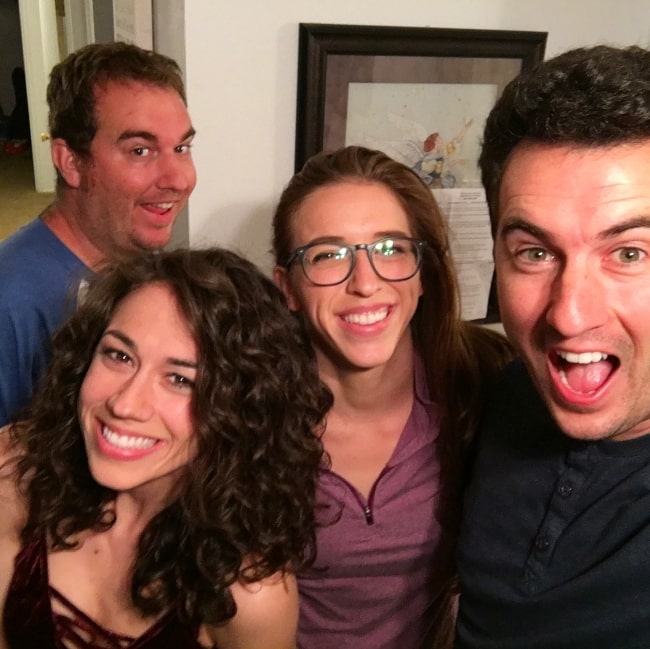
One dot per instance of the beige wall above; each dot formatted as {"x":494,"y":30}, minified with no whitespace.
{"x":241,"y":62}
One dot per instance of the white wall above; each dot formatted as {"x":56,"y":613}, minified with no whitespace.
{"x":241,"y":61}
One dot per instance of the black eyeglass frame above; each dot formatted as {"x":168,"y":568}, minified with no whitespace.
{"x":299,"y":253}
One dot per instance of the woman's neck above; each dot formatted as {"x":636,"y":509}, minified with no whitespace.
{"x":136,"y":507}
{"x":373,"y":389}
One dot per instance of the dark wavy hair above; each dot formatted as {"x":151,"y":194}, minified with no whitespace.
{"x":258,"y":407}
{"x":461,"y":358}
{"x":71,"y":89}
{"x":595,"y":96}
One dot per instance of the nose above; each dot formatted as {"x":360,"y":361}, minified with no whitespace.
{"x":176,"y":172}
{"x":363,"y":280}
{"x":132,"y":399}
{"x":578,"y":301}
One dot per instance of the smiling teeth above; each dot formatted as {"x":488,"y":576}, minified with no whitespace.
{"x":366,"y":318}
{"x":126,"y":441}
{"x":582,"y":359}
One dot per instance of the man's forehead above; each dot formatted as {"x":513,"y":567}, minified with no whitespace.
{"x":125,"y":108}
{"x":105,"y":89}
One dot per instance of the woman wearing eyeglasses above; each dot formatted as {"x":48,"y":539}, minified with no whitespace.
{"x":362,"y":254}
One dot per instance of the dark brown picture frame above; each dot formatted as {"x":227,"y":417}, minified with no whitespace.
{"x":330,"y":57}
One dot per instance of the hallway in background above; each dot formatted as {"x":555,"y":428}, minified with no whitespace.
{"x":19,"y":202}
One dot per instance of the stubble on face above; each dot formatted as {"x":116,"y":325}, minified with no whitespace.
{"x":139,"y":173}
{"x":573,"y":266}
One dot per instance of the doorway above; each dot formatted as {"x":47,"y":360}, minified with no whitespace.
{"x":37,"y":35}
{"x":19,"y":200}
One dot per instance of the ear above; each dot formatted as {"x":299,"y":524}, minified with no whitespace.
{"x":283,"y":282}
{"x":66,"y":161}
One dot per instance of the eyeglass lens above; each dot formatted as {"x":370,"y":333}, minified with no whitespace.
{"x":393,"y":259}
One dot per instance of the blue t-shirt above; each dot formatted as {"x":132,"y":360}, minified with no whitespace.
{"x":39,"y":279}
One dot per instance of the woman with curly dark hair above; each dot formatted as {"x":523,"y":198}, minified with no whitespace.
{"x":160,"y":491}
{"x":363,"y":257}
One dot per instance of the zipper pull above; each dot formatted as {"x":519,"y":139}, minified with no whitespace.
{"x":367,"y":512}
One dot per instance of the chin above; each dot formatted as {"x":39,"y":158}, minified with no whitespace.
{"x":369,"y":362}
{"x":582,"y":426}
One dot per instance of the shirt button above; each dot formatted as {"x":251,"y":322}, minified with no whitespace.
{"x":565,"y":489}
{"x":542,"y":543}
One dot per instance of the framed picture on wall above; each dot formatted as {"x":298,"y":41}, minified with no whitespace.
{"x":419,"y":94}
{"x":348,"y":71}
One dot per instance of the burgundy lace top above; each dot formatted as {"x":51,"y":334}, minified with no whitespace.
{"x":28,"y":619}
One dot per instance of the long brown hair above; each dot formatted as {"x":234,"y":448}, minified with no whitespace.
{"x":460,"y":358}
{"x":451,"y":348}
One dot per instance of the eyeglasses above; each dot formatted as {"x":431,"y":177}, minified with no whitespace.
{"x":394,"y":259}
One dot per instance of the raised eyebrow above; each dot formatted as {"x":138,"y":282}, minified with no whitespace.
{"x":391,"y":234}
{"x":189,"y":134}
{"x":333,"y":240}
{"x":631,"y":224}
{"x":396,"y":234}
{"x":141,"y":135}
{"x":150,"y":137}
{"x":520,"y":225}
{"x":191,"y":365}
{"x":121,"y":337}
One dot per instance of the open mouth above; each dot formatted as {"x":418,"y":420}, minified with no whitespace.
{"x":584,"y":373}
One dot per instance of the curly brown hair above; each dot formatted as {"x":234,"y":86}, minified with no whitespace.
{"x":258,"y":408}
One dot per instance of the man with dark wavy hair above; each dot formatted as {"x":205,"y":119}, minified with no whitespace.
{"x":120,"y":144}
{"x":556,"y":529}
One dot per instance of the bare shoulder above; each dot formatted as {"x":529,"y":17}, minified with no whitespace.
{"x":266,"y":618}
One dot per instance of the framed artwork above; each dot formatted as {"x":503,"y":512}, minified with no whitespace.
{"x":419,"y":94}
{"x":384,"y":85}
